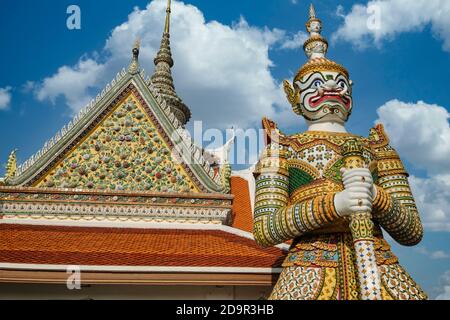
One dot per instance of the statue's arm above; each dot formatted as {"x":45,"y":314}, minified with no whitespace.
{"x":394,"y":206}
{"x":396,"y":211}
{"x":276,"y":220}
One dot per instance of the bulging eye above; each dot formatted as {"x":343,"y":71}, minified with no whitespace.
{"x":342,"y":84}
{"x":317,"y":83}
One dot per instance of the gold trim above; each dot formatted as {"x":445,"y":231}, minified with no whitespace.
{"x":34,"y":190}
{"x":317,"y":65}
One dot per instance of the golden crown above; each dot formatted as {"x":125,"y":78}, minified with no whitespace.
{"x":318,"y":65}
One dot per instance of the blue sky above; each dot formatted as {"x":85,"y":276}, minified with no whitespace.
{"x":393,"y":70}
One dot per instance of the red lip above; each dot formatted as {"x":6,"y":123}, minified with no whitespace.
{"x":329,"y":95}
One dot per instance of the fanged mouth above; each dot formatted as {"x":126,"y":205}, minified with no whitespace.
{"x":329,"y":95}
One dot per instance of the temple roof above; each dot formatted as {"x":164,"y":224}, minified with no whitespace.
{"x":242,"y":207}
{"x":53,"y":245}
{"x":123,"y":187}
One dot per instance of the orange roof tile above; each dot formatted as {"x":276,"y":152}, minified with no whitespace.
{"x":242,"y":208}
{"x":131,"y":247}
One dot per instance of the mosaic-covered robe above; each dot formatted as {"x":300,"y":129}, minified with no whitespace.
{"x":296,"y":181}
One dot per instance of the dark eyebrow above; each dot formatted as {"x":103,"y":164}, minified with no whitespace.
{"x":311,"y":75}
{"x":343,"y":76}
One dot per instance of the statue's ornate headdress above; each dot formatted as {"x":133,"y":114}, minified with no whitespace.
{"x":316,"y":48}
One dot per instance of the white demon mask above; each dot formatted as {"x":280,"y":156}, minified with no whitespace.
{"x":325,"y":96}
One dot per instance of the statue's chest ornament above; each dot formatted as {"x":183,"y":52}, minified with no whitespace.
{"x":317,"y":157}
{"x":322,"y":159}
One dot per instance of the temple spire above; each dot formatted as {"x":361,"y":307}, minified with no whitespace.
{"x":162,"y":78}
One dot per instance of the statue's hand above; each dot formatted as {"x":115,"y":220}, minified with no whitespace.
{"x":358,"y":194}
{"x":359,"y":179}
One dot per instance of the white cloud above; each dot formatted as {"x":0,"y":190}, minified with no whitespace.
{"x":445,"y":287}
{"x":5,"y":98}
{"x":380,"y":20}
{"x":72,"y":83}
{"x":433,"y":201}
{"x":440,"y":255}
{"x":296,"y":41}
{"x":222,"y":72}
{"x":421,"y":134}
{"x":28,"y":87}
{"x":435,"y":255}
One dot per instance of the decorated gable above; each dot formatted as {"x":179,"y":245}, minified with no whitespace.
{"x":131,"y":137}
{"x":125,"y":151}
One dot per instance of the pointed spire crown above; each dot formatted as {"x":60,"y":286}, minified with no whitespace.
{"x":312,"y":12}
{"x":316,"y":49}
{"x":316,"y":46}
{"x":165,"y":53}
{"x":168,"y":12}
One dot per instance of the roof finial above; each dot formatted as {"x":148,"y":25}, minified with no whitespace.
{"x":11,"y":165}
{"x":168,"y":12}
{"x":134,"y":65}
{"x":137,"y":46}
{"x":316,"y":46}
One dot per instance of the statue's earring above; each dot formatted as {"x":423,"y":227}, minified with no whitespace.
{"x":293,"y":96}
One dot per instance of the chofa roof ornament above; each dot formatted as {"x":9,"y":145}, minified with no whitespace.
{"x":134,"y":65}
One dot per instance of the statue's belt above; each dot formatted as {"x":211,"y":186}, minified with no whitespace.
{"x":323,"y":250}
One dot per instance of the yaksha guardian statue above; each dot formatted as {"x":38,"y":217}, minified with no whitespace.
{"x":331,"y":193}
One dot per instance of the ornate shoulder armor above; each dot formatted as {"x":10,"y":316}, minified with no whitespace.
{"x":273,"y":134}
{"x":389,"y":162}
{"x":273,"y":158}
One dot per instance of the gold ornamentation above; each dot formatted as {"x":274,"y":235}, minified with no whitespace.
{"x":293,"y":96}
{"x":11,"y":165}
{"x":318,"y":187}
{"x":319,"y":65}
{"x":362,"y":226}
